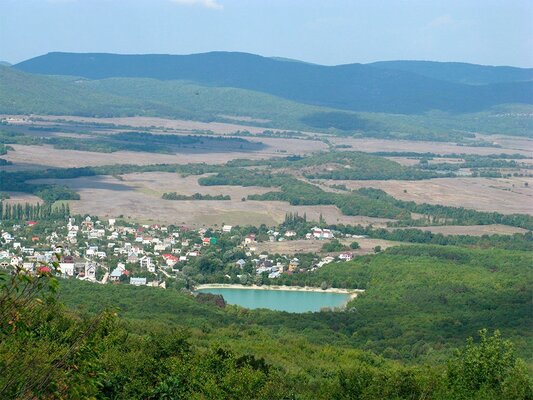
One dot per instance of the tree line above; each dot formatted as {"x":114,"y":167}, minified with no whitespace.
{"x":27,"y":212}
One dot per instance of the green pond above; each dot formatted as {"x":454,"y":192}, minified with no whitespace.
{"x":281,"y":300}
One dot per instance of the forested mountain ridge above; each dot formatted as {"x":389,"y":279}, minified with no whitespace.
{"x":355,"y":87}
{"x":471,"y":74}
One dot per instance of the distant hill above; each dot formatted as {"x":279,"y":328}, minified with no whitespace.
{"x":5,"y":64}
{"x":22,"y":93}
{"x":470,"y":74}
{"x":353,"y":87}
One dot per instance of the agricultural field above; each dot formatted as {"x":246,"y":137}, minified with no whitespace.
{"x":505,"y":195}
{"x":31,"y":157}
{"x":367,"y":246}
{"x":22,"y":198}
{"x":140,"y":194}
{"x":515,"y":146}
{"x":154,"y":122}
{"x":138,"y":197}
{"x":474,"y":230}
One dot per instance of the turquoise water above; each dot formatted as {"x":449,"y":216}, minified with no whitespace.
{"x":281,"y":300}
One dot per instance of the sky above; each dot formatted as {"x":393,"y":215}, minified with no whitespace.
{"x":328,"y":32}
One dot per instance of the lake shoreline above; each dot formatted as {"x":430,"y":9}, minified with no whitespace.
{"x":352,"y":293}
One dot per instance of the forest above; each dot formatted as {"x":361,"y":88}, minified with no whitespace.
{"x":152,"y":343}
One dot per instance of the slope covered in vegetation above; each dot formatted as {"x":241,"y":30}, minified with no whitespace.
{"x":166,"y":344}
{"x":354,"y":87}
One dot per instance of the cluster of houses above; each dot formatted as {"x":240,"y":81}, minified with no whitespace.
{"x":104,"y":252}
{"x":107,"y":252}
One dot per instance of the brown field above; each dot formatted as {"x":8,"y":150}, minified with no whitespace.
{"x":507,"y":196}
{"x":148,"y":122}
{"x":25,"y":157}
{"x":407,"y":161}
{"x":313,"y":246}
{"x":138,"y":196}
{"x":474,"y":230}
{"x":374,"y":145}
{"x":22,"y":198}
{"x":510,"y":142}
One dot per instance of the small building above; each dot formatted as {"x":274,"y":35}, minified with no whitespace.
{"x":170,"y":259}
{"x":250,"y":239}
{"x":116,"y":274}
{"x":319,"y":233}
{"x":67,"y":268}
{"x":138,"y":281}
{"x":346,"y":256}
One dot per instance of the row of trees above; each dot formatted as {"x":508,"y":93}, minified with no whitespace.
{"x":26,"y":212}
{"x":196,"y":196}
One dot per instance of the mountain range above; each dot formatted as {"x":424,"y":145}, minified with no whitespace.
{"x":399,"y":87}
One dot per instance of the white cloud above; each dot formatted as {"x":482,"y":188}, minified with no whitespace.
{"x":212,"y":4}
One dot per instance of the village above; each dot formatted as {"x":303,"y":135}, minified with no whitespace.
{"x":115,"y":252}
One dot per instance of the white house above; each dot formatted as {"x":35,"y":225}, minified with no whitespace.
{"x":67,"y":269}
{"x":138,"y":281}
{"x":147,"y":262}
{"x":90,"y":272}
{"x":319,"y":233}
{"x":160,"y":247}
{"x":347,"y":256}
{"x":28,"y":266}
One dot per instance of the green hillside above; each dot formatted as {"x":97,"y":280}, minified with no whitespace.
{"x":23,"y":93}
{"x":211,"y":103}
{"x":125,"y":342}
{"x":221,"y":103}
{"x":470,"y":74}
{"x":353,"y":87}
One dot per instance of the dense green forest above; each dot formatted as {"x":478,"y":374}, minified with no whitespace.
{"x":447,"y":292}
{"x":154,"y":343}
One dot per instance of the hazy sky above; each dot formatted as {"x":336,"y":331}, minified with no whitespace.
{"x":321,"y":31}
